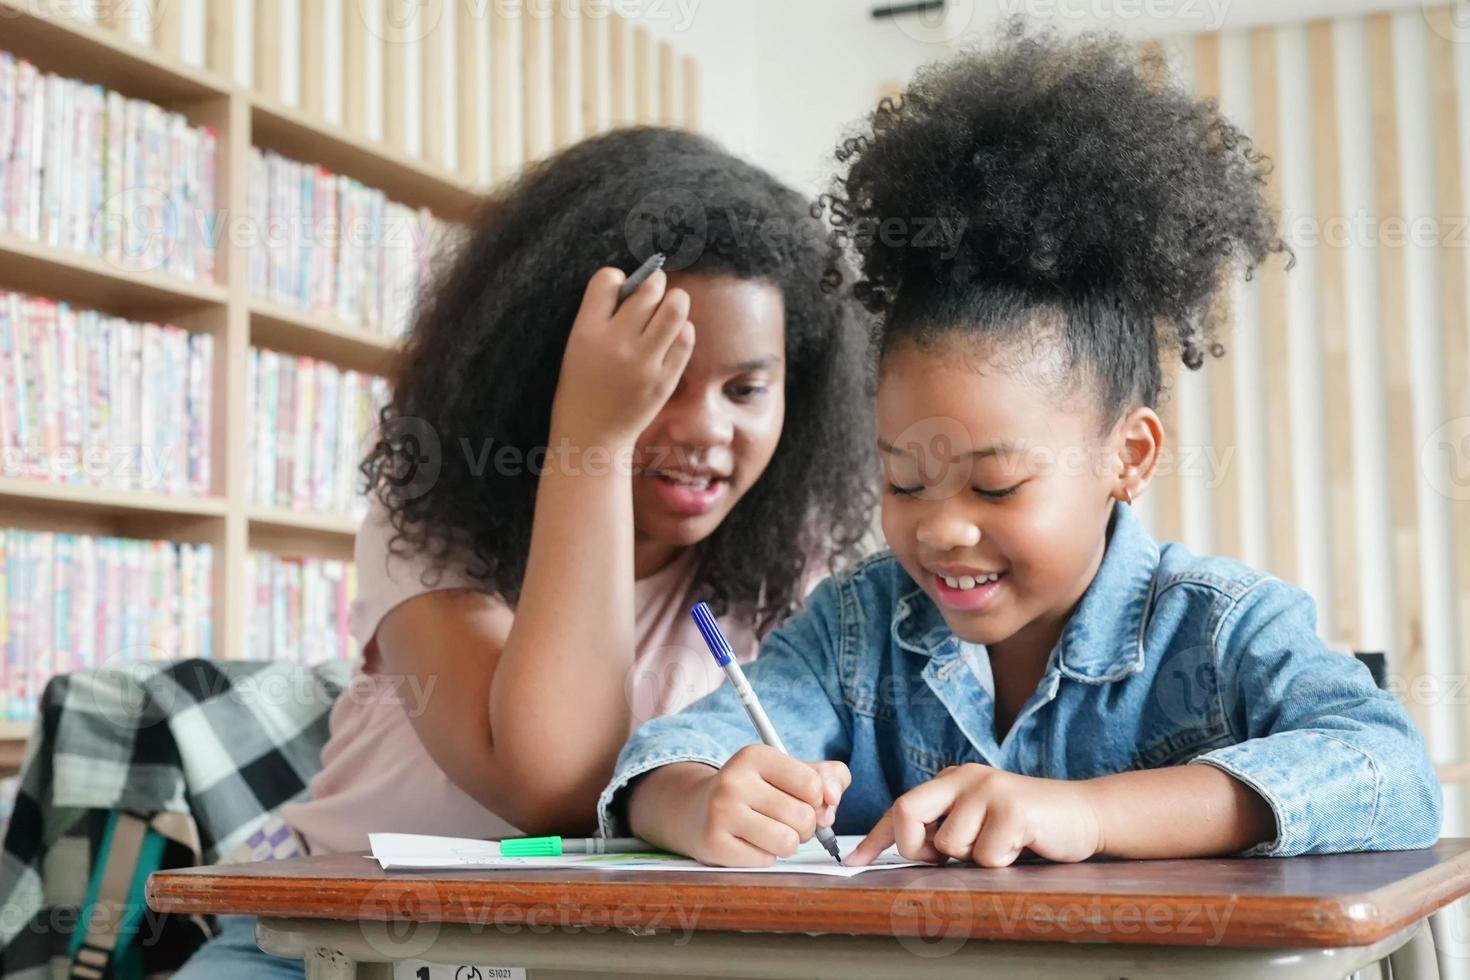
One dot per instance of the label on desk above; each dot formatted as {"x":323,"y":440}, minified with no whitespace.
{"x":419,"y":970}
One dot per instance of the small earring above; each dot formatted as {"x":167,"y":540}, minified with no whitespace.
{"x":1128,"y":495}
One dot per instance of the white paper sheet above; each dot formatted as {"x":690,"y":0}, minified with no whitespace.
{"x":416,"y":852}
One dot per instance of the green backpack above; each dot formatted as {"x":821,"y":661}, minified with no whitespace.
{"x":109,"y":941}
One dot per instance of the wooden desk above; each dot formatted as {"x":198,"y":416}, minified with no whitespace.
{"x":1301,"y":917}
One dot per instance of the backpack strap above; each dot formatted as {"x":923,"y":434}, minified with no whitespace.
{"x":106,"y":911}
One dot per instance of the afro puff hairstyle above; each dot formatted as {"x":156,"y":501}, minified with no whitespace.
{"x":1078,"y":198}
{"x":479,"y":368}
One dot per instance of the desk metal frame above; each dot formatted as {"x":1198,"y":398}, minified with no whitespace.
{"x":339,"y":950}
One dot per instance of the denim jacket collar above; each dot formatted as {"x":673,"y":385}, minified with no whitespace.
{"x":1103,"y":641}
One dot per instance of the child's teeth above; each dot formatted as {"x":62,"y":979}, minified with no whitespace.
{"x":966,"y":582}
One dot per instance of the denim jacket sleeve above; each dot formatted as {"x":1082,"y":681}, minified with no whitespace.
{"x":1338,"y":760}
{"x":795,"y":678}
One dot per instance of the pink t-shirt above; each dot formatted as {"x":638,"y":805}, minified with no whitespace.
{"x":376,"y":775}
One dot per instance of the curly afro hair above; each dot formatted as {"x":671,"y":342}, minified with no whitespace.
{"x":480,"y":365}
{"x":1080,"y":195}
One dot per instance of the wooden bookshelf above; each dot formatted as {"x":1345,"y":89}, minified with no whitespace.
{"x":87,"y":280}
{"x":307,"y":335}
{"x":101,"y":500}
{"x":241,"y":119}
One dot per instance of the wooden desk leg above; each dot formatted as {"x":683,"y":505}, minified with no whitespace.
{"x":1416,"y":959}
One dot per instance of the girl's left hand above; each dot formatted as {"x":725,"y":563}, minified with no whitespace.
{"x":988,"y":816}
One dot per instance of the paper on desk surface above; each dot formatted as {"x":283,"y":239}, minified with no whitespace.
{"x":416,"y":852}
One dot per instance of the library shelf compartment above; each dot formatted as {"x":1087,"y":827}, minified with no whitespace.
{"x":407,"y":180}
{"x":105,"y":502}
{"x":29,"y":266}
{"x":289,"y":331}
{"x":69,"y":46}
{"x":288,"y":532}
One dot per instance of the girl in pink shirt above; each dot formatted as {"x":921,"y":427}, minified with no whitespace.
{"x":558,"y":478}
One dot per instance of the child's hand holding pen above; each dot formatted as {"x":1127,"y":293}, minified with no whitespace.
{"x":761,"y":805}
{"x":623,"y":357}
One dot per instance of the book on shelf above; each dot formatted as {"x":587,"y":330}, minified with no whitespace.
{"x":69,"y":602}
{"x":310,"y":426}
{"x":96,"y":400}
{"x":89,"y":170}
{"x":333,"y":247}
{"x":299,"y":608}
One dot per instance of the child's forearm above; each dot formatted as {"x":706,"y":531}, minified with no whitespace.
{"x":1179,"y":812}
{"x":558,"y":705}
{"x":662,"y":805}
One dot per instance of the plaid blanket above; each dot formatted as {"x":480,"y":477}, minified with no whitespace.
{"x":223,"y":742}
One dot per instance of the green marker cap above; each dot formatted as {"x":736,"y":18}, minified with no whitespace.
{"x":531,"y":847}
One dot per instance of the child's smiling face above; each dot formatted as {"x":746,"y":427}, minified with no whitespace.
{"x":995,"y":467}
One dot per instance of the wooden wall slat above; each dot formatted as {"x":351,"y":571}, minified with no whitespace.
{"x":533,"y":85}
{"x":396,"y":14}
{"x":668,"y":88}
{"x":691,"y":95}
{"x":1275,"y":350}
{"x":112,"y":16}
{"x":469,"y":28}
{"x":313,"y":32}
{"x":643,"y":76}
{"x":592,"y":72}
{"x":168,"y":28}
{"x":1450,"y":209}
{"x":219,"y":37}
{"x":617,"y":67}
{"x":268,"y":54}
{"x":503,"y":160}
{"x":432,"y":51}
{"x":562,"y":25}
{"x":354,"y":69}
{"x":1167,"y":486}
{"x":1408,"y":658}
{"x":1331,"y":326}
{"x":1219,"y":376}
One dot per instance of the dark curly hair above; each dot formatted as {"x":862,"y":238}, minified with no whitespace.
{"x":480,"y":365}
{"x":1081,"y":196}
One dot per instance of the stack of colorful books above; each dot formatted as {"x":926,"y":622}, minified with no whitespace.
{"x":88,"y":170}
{"x":299,"y":608}
{"x":69,"y":602}
{"x":91,"y":399}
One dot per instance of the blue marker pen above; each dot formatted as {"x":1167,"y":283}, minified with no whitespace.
{"x":724,"y":655}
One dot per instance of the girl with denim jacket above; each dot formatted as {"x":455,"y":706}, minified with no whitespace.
{"x":1026,"y":670}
